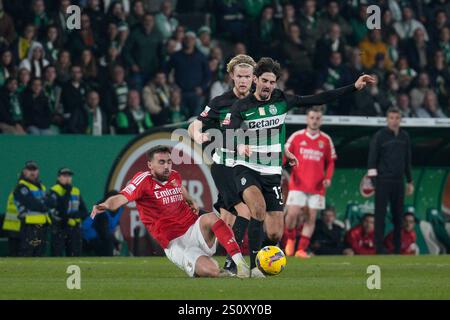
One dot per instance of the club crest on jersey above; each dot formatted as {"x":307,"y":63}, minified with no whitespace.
{"x":204,"y":113}
{"x":174,"y":183}
{"x":272,"y":109}
{"x":243,"y":181}
{"x":321,"y":144}
{"x":226,"y":121}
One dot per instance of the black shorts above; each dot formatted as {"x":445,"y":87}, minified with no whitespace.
{"x":228,"y":195}
{"x":270,"y":186}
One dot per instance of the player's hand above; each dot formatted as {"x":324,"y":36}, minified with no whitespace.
{"x":99,"y":208}
{"x":363,"y":81}
{"x":244,"y":150}
{"x":409,"y":189}
{"x":327,"y":183}
{"x":194,"y":207}
{"x":200,"y":138}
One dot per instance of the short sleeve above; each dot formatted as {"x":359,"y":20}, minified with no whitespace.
{"x":133,"y":189}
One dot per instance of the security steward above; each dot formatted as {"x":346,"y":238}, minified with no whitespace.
{"x":11,"y":227}
{"x":32,"y":208}
{"x":69,"y":211}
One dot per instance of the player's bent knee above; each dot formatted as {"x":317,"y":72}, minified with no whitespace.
{"x":206,"y":267}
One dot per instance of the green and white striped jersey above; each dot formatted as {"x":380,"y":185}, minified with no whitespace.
{"x":262,"y":126}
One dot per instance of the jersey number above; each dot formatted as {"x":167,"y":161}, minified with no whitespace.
{"x":279,"y":194}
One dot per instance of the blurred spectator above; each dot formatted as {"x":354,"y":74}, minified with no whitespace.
{"x":440,"y":21}
{"x":63,"y":65}
{"x":35,"y":62}
{"x":73,"y":92}
{"x":156,"y":98}
{"x":89,"y":119}
{"x":136,"y":15}
{"x":393,"y":47}
{"x":142,"y":51}
{"x":134,"y":119}
{"x":125,"y":4}
{"x":332,"y":16}
{"x":191,"y":74}
{"x":7,"y":66}
{"x":408,"y":25}
{"x":52,"y":44}
{"x":328,"y":237}
{"x":204,"y":43}
{"x":417,"y":50}
{"x":371,"y":101}
{"x":22,"y":44}
{"x":430,"y":107}
{"x":107,"y":63}
{"x":392,"y":87}
{"x":418,"y":92}
{"x":176,"y":109}
{"x":355,"y":66}
{"x":403,"y":104}
{"x":253,"y":8}
{"x":178,"y":36}
{"x":36,"y":109}
{"x":266,"y":34}
{"x":405,"y":73}
{"x":360,"y":239}
{"x":387,"y":24}
{"x":296,"y":56}
{"x":60,"y":19}
{"x":230,"y":17}
{"x":408,"y":237}
{"x":89,"y":68}
{"x":115,"y":93}
{"x":24,"y":77}
{"x":11,"y":114}
{"x":96,"y":15}
{"x":53,"y":92}
{"x":289,"y":17}
{"x":165,"y":21}
{"x":38,"y":17}
{"x":116,"y":14}
{"x":330,"y":42}
{"x":85,"y":38}
{"x":333,"y":76}
{"x":359,"y":25}
{"x":370,"y":47}
{"x":311,"y":30}
{"x":444,"y":43}
{"x":7,"y":28}
{"x":440,"y":77}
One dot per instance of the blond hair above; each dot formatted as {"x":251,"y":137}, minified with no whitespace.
{"x":241,"y":60}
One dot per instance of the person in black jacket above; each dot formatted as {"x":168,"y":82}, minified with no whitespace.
{"x":389,"y":162}
{"x":36,"y":109}
{"x":11,"y":114}
{"x":327,"y":238}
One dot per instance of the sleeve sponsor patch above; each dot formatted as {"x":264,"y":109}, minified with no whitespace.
{"x":205,"y":112}
{"x":129,"y":189}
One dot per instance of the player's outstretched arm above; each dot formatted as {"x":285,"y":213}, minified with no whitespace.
{"x":191,"y":202}
{"x":331,"y":95}
{"x":112,"y":204}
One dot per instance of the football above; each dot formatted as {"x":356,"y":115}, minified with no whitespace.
{"x":271,"y":260}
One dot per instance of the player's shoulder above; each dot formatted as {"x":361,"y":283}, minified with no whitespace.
{"x":224,"y":100}
{"x":297,"y":134}
{"x":140,"y":177}
{"x":174,"y":175}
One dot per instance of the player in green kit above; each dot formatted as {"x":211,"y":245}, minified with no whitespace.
{"x":240,"y":69}
{"x":258,"y":134}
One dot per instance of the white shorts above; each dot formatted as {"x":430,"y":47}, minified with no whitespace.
{"x":186,"y":249}
{"x":302,"y":199}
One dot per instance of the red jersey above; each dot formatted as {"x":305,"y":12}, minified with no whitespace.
{"x":161,"y":205}
{"x":361,"y":243}
{"x":408,"y":242}
{"x":316,"y":157}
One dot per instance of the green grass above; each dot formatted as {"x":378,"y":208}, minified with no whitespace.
{"x":419,"y":277}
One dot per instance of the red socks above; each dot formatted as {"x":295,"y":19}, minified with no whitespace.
{"x":304,"y":243}
{"x":225,"y":237}
{"x":291,"y":233}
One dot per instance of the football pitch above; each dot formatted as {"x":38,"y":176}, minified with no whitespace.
{"x":402,"y":277}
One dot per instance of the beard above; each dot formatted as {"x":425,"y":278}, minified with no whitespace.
{"x":164,"y":176}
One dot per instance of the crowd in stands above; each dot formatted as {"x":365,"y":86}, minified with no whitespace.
{"x":137,"y":64}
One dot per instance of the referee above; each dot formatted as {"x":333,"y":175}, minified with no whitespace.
{"x":389,"y":162}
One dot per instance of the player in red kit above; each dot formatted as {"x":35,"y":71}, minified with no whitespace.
{"x":312,"y":155}
{"x":361,"y":238}
{"x":408,"y":237}
{"x":171,"y":217}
